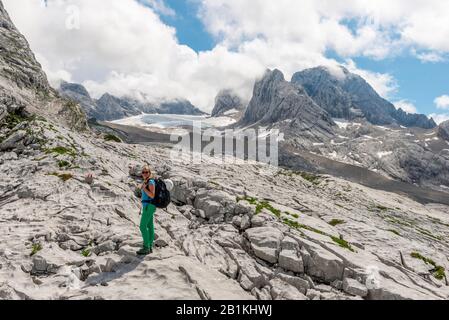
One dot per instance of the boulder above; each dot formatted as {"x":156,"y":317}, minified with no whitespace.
{"x":265,"y":237}
{"x":161,"y":242}
{"x":244,"y":207}
{"x":267,"y":254}
{"x":135,"y":170}
{"x":107,"y":246}
{"x":183,"y":191}
{"x":281,"y":290}
{"x":265,"y":242}
{"x":320,"y":263}
{"x":40,"y":265}
{"x":237,"y":221}
{"x":248,"y":271}
{"x":288,"y":243}
{"x":291,"y":261}
{"x":214,"y":202}
{"x":261,"y":219}
{"x":12,"y":141}
{"x":355,"y":288}
{"x":299,"y":283}
{"x":26,"y":267}
{"x":245,"y":222}
{"x":263,"y":294}
{"x":109,"y":266}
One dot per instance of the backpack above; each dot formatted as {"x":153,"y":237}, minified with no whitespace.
{"x":162,"y":196}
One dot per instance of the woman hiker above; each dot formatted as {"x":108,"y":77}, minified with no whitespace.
{"x":148,"y":209}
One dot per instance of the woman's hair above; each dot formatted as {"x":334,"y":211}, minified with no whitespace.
{"x":147,"y":168}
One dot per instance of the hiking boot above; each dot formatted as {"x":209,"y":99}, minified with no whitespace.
{"x":144,"y":252}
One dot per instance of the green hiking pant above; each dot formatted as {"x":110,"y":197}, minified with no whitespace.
{"x":147,"y":225}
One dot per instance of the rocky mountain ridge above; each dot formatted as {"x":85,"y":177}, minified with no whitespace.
{"x":413,"y":155}
{"x":109,"y":107}
{"x":278,"y":103}
{"x":349,"y":96}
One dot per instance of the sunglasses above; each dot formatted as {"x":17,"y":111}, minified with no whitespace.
{"x":145,"y":172}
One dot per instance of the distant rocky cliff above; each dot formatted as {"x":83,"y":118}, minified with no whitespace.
{"x":225,"y":102}
{"x":349,"y":96}
{"x":109,"y":107}
{"x":278,"y":102}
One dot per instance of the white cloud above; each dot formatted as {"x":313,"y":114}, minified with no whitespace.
{"x":405,"y":105}
{"x":123,"y":47}
{"x":439,"y":118}
{"x":442,"y":102}
{"x":379,"y":28}
{"x":430,"y":57}
{"x":160,"y":7}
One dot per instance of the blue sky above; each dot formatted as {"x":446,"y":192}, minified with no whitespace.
{"x":189,"y":29}
{"x":418,"y":82}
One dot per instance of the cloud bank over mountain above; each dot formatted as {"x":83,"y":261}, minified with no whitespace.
{"x":123,"y":47}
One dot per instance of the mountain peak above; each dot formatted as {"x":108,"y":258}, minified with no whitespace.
{"x":74,"y":88}
{"x":276,"y":101}
{"x":340,"y":92}
{"x":226,"y":101}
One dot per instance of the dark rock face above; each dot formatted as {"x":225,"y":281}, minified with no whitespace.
{"x":79,"y":94}
{"x":17,"y":62}
{"x":443,"y":130}
{"x":109,"y":107}
{"x":179,"y":107}
{"x":276,"y":100}
{"x":226,"y":101}
{"x":349,"y":96}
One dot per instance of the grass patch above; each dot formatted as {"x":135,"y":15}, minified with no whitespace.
{"x":378,"y":208}
{"x":112,"y":138}
{"x":310,"y":177}
{"x":399,"y":222}
{"x":12,"y":120}
{"x":394,"y":231}
{"x":35,"y":249}
{"x":266,"y":205}
{"x":297,"y":225}
{"x":438,"y":271}
{"x":342,"y":243}
{"x":260,"y":205}
{"x":336,"y":222}
{"x":249,"y":199}
{"x":63,"y":164}
{"x":61,"y":151}
{"x":63,"y":176}
{"x":429,"y":234}
{"x":86,"y":253}
{"x":294,"y":215}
